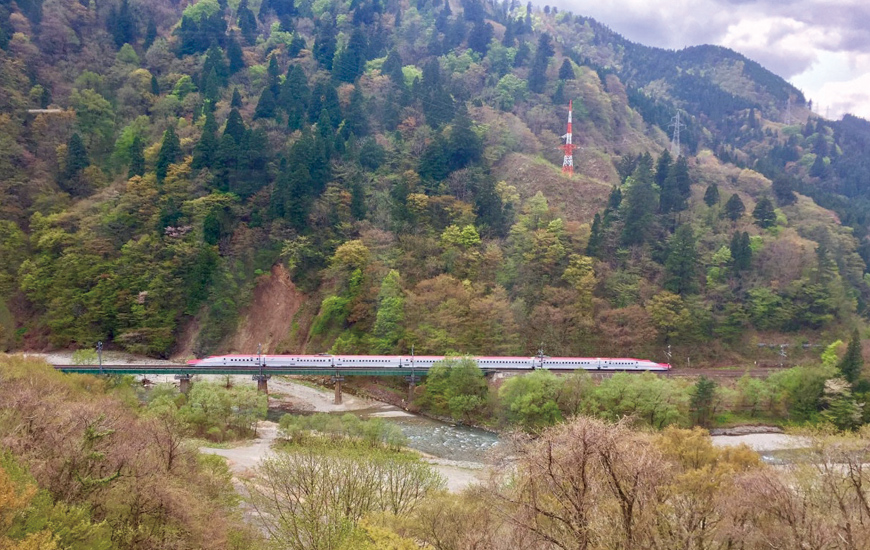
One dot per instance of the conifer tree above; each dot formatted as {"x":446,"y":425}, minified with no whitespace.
{"x":764,"y":213}
{"x":393,"y":68}
{"x":150,"y":34}
{"x":480,"y":36}
{"x":538,"y":72}
{"x":235,"y":56}
{"x":355,"y":120}
{"x":205,"y":152}
{"x":324,"y":96}
{"x":247,"y":23}
{"x":273,"y":73}
{"x":641,"y":204}
{"x":711,"y":195}
{"x":76,"y":161}
{"x":170,"y":153}
{"x":509,"y":38}
{"x":235,"y":126}
{"x":734,"y":208}
{"x":350,"y":62}
{"x":155,"y":86}
{"x":122,"y":25}
{"x":294,"y":96}
{"x":434,"y":162}
{"x":853,"y":362}
{"x":663,"y":167}
{"x":266,"y":104}
{"x":137,"y":158}
{"x":783,"y":190}
{"x":741,"y":253}
{"x":566,"y":71}
{"x":596,"y":238}
{"x":236,"y":101}
{"x":324,"y":43}
{"x":676,"y":188}
{"x":681,"y":265}
{"x":701,"y":401}
{"x":464,"y":146}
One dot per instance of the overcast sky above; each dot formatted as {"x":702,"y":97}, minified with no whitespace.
{"x":820,"y":46}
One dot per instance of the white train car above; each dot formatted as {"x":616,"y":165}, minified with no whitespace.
{"x":427,"y":361}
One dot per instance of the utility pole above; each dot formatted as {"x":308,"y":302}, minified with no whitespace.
{"x":568,"y":160}
{"x":675,"y":141}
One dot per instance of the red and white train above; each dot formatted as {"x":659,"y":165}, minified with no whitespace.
{"x":426,"y":361}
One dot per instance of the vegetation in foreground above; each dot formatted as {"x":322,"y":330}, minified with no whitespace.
{"x":832,"y":392}
{"x":586,"y":483}
{"x":82,"y":467}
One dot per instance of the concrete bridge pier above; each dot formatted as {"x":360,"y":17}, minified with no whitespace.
{"x":412,"y":386}
{"x":184,"y":381}
{"x":262,"y":382}
{"x":338,"y":380}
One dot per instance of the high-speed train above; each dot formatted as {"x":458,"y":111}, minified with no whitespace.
{"x":426,"y":361}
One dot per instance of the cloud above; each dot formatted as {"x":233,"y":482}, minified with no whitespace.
{"x":790,"y":38}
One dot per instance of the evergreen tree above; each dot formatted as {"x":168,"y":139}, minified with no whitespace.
{"x":235,"y":126}
{"x":641,"y":204}
{"x":150,"y":34}
{"x":663,"y":168}
{"x":76,"y":161}
{"x":701,"y":401}
{"x":566,"y":71}
{"x":764,"y":213}
{"x":273,"y":73}
{"x":819,"y":169}
{"x":355,"y":120}
{"x":480,"y":36}
{"x":294,"y":97}
{"x":783,"y":190}
{"x":464,"y":146}
{"x":266,"y":105}
{"x":434,"y":162}
{"x":741,"y":253}
{"x":676,"y":189}
{"x":214,"y":62}
{"x":711,"y":195}
{"x":205,"y":152}
{"x":137,"y":158}
{"x":389,"y":320}
{"x":350,"y":62}
{"x":170,"y":153}
{"x":236,"y":101}
{"x":437,"y":102}
{"x":538,"y":72}
{"x":523,"y":52}
{"x":122,"y":25}
{"x":853,"y":362}
{"x":734,"y":208}
{"x":324,"y":43}
{"x":509,"y":37}
{"x":596,"y":238}
{"x":235,"y":56}
{"x":325,"y":97}
{"x":155,"y":86}
{"x":393,"y":68}
{"x":680,"y":267}
{"x":247,"y":23}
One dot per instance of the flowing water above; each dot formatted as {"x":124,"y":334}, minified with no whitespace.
{"x":439,"y":439}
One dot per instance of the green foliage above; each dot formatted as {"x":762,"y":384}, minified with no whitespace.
{"x":763,"y":213}
{"x":375,"y":432}
{"x":711,"y":195}
{"x":702,"y":401}
{"x":853,"y":361}
{"x":734,"y":208}
{"x":212,"y":411}
{"x":454,"y":387}
{"x":388,"y":324}
{"x":529,"y":401}
{"x":681,"y":263}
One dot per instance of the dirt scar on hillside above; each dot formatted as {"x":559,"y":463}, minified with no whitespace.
{"x":243,"y":459}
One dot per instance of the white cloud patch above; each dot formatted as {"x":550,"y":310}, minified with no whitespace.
{"x":791,"y":38}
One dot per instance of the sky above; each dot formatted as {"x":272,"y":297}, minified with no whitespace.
{"x":820,"y":46}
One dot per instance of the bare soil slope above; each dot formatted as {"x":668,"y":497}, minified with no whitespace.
{"x":270,"y":316}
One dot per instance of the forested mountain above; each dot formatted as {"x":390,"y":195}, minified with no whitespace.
{"x":400,"y":159}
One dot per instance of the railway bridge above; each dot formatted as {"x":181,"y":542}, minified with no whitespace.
{"x":261,"y":374}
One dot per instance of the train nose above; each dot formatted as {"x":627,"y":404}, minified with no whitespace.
{"x":193,"y":362}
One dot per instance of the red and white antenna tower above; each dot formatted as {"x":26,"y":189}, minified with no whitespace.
{"x":568,"y":161}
